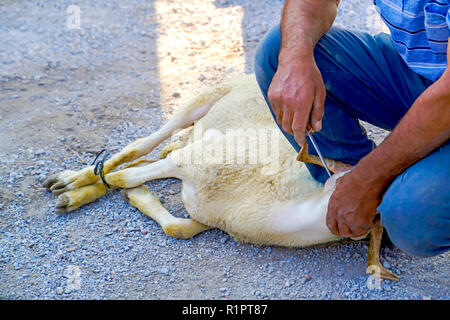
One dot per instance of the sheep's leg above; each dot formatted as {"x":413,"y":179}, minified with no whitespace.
{"x":334,"y":166}
{"x":73,"y":199}
{"x":373,"y":260}
{"x":169,"y":149}
{"x":374,"y":265}
{"x":135,"y":176}
{"x":149,"y":204}
{"x":183,"y":118}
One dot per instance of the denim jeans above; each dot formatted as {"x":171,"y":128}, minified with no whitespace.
{"x":366,"y":79}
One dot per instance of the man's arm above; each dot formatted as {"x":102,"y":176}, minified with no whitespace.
{"x":297,"y":92}
{"x":425,"y":127}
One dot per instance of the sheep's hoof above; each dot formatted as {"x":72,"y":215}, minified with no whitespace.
{"x":70,"y":180}
{"x":183,"y":228}
{"x":73,"y":199}
{"x":380,"y":272}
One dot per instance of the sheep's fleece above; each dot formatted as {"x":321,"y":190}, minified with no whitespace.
{"x":267,"y":202}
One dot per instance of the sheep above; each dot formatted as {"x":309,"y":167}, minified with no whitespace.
{"x":238,"y":173}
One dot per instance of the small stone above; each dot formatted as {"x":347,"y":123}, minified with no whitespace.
{"x":59,"y":290}
{"x":39,"y":152}
{"x":223,"y":240}
{"x":307,"y":277}
{"x":176,"y":94}
{"x":164,"y":271}
{"x":71,"y":249}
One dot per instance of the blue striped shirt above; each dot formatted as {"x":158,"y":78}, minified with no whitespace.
{"x":420,"y":31}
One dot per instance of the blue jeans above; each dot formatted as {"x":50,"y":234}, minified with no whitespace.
{"x":366,"y":79}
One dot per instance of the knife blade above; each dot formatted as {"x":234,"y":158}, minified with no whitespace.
{"x":318,"y":152}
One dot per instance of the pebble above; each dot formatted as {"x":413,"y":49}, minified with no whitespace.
{"x":165,"y":271}
{"x":356,"y":256}
{"x":39,"y":152}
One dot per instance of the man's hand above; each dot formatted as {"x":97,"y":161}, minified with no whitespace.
{"x":297,"y":95}
{"x":353,"y":206}
{"x":297,"y":92}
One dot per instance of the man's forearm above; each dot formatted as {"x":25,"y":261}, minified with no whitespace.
{"x":303,"y":23}
{"x":425,"y":127}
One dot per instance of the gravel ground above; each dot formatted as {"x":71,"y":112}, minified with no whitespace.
{"x":67,"y":93}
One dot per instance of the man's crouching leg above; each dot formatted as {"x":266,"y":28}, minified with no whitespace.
{"x":416,"y":207}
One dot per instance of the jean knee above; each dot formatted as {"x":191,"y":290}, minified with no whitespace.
{"x":411,"y":239}
{"x":415,"y":210}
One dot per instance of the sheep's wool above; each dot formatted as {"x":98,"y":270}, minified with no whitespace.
{"x":233,"y":191}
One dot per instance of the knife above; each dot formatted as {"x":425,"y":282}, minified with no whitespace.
{"x":318,"y":152}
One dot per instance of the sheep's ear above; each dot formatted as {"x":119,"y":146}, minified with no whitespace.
{"x":334,"y":166}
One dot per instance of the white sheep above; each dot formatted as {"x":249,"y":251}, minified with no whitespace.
{"x":238,"y":172}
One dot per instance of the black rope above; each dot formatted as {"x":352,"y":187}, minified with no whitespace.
{"x":98,"y":169}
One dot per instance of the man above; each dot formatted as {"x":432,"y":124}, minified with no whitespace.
{"x":313,"y":74}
